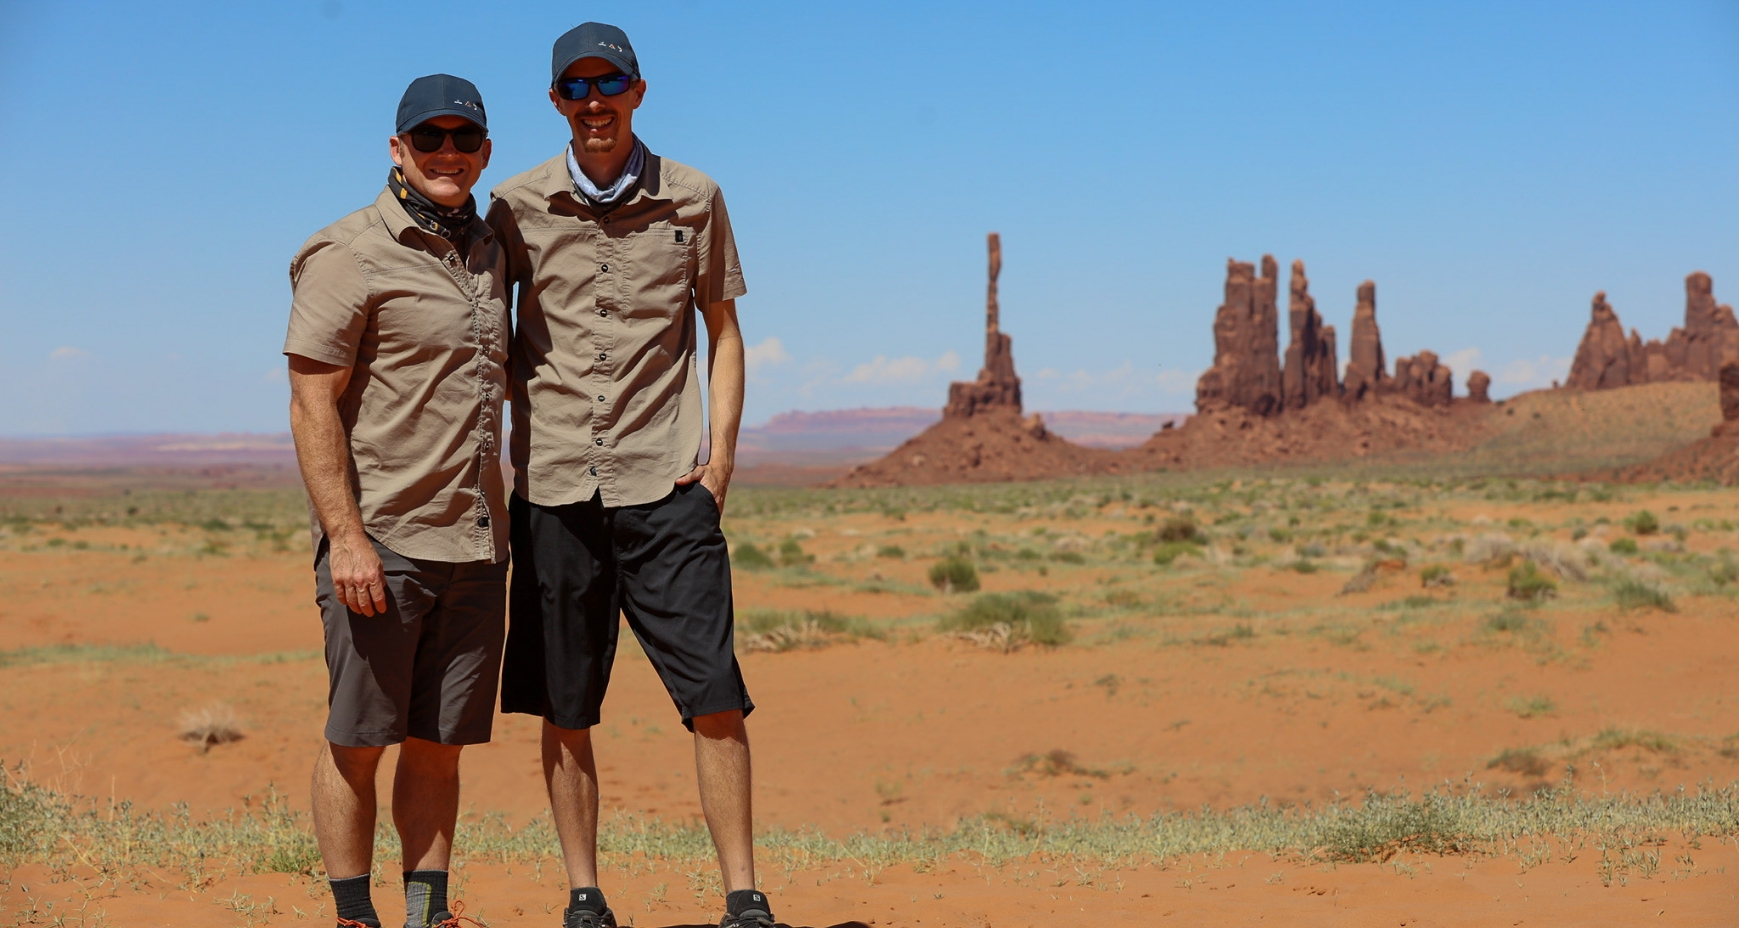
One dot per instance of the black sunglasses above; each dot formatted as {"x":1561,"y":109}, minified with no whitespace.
{"x":579,"y":88}
{"x":427,"y":138}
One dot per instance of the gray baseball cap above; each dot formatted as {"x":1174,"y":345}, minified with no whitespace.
{"x":594,"y":40}
{"x":440,"y":95}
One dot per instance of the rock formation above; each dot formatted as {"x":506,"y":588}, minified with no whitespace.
{"x":997,"y":386}
{"x":1603,"y":358}
{"x":1479,"y":387}
{"x":1729,"y":391}
{"x":1308,"y":373}
{"x":1365,"y":372}
{"x":1423,"y":380}
{"x":982,"y":436}
{"x":1606,"y":359}
{"x":1246,"y":371}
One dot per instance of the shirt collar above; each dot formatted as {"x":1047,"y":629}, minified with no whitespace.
{"x":398,"y":222}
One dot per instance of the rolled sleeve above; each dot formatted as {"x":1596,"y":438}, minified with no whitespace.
{"x":330,"y":306}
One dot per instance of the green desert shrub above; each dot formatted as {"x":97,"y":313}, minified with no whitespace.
{"x":1436,"y":575}
{"x":1623,"y":546}
{"x":1529,"y":584}
{"x":1631,"y":593}
{"x":749,"y":557}
{"x":1172,"y":550}
{"x":1182,"y":528}
{"x":1027,"y":616}
{"x":1642,"y":522}
{"x":893,"y":551}
{"x":954,"y":574}
{"x":791,"y":554}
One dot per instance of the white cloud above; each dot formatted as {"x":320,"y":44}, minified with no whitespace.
{"x":1526,"y":374}
{"x":66,"y":352}
{"x":905,"y":370}
{"x":1464,"y":362}
{"x":769,"y":353}
{"x":1122,"y":381}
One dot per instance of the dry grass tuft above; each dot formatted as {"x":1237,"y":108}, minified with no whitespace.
{"x":210,"y":726}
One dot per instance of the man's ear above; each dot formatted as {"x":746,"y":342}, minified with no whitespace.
{"x":488,"y":146}
{"x":639,"y":93}
{"x":396,"y":148}
{"x":554,"y":99}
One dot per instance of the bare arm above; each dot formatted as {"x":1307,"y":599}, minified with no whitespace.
{"x":724,"y":398}
{"x":323,"y":453}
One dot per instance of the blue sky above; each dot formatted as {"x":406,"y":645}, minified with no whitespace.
{"x":1489,"y":165}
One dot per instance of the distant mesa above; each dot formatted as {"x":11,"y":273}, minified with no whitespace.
{"x":1606,"y":359}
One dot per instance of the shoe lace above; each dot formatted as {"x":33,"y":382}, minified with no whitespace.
{"x":583,"y":918}
{"x":749,"y":919}
{"x":456,"y":914}
{"x":353,"y":923}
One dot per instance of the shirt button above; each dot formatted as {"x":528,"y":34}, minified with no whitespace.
{"x":482,"y":521}
{"x":603,"y":312}
{"x":602,"y":356}
{"x":598,"y":441}
{"x":604,"y":267}
{"x":594,"y":471}
{"x":600,"y":397}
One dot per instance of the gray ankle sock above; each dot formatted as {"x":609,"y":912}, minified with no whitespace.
{"x":425,"y":896}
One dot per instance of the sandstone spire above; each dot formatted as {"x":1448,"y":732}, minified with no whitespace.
{"x":1603,"y":359}
{"x":1246,"y":369}
{"x":1366,"y":373}
{"x":1309,"y":372}
{"x":997,"y":385}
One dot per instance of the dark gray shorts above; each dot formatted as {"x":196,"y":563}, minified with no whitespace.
{"x":428,"y":667}
{"x":576,"y":568}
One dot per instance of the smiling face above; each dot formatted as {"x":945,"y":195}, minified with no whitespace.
{"x":599,"y":122}
{"x":445,"y":176}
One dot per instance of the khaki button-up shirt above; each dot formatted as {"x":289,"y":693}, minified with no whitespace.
{"x":606,"y":395}
{"x":425,"y":334}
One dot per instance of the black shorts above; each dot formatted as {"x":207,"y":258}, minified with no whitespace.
{"x":426,"y":668}
{"x":662,"y":565}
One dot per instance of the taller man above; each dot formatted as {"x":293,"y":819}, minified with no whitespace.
{"x":613,"y":250}
{"x":397,"y":346}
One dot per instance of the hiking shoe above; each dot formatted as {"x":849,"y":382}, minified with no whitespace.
{"x":749,"y":918}
{"x":586,"y":918}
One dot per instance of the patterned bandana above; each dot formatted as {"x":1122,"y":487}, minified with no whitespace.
{"x":448,"y":222}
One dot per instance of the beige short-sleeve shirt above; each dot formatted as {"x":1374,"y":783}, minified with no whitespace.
{"x":606,"y":393}
{"x":425,"y":333}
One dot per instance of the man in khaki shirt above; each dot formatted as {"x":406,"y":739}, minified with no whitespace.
{"x":397,"y":347}
{"x":614,"y":250}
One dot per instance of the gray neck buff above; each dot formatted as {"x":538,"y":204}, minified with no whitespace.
{"x":608,"y":196}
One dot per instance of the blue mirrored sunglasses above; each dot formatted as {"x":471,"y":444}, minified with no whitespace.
{"x":579,"y":88}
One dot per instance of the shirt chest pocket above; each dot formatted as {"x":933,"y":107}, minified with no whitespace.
{"x":660,"y":269}
{"x":421,"y":309}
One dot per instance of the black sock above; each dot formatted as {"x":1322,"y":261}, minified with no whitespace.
{"x":747,"y":900}
{"x":425,"y":896}
{"x":350,"y":895}
{"x":587,"y":899}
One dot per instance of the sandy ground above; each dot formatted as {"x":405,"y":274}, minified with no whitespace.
{"x":914,"y":733}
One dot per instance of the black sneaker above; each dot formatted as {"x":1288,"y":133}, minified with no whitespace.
{"x":756,"y":914}
{"x":586,"y":918}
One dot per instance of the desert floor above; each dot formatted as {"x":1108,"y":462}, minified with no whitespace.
{"x":1294,"y":642}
